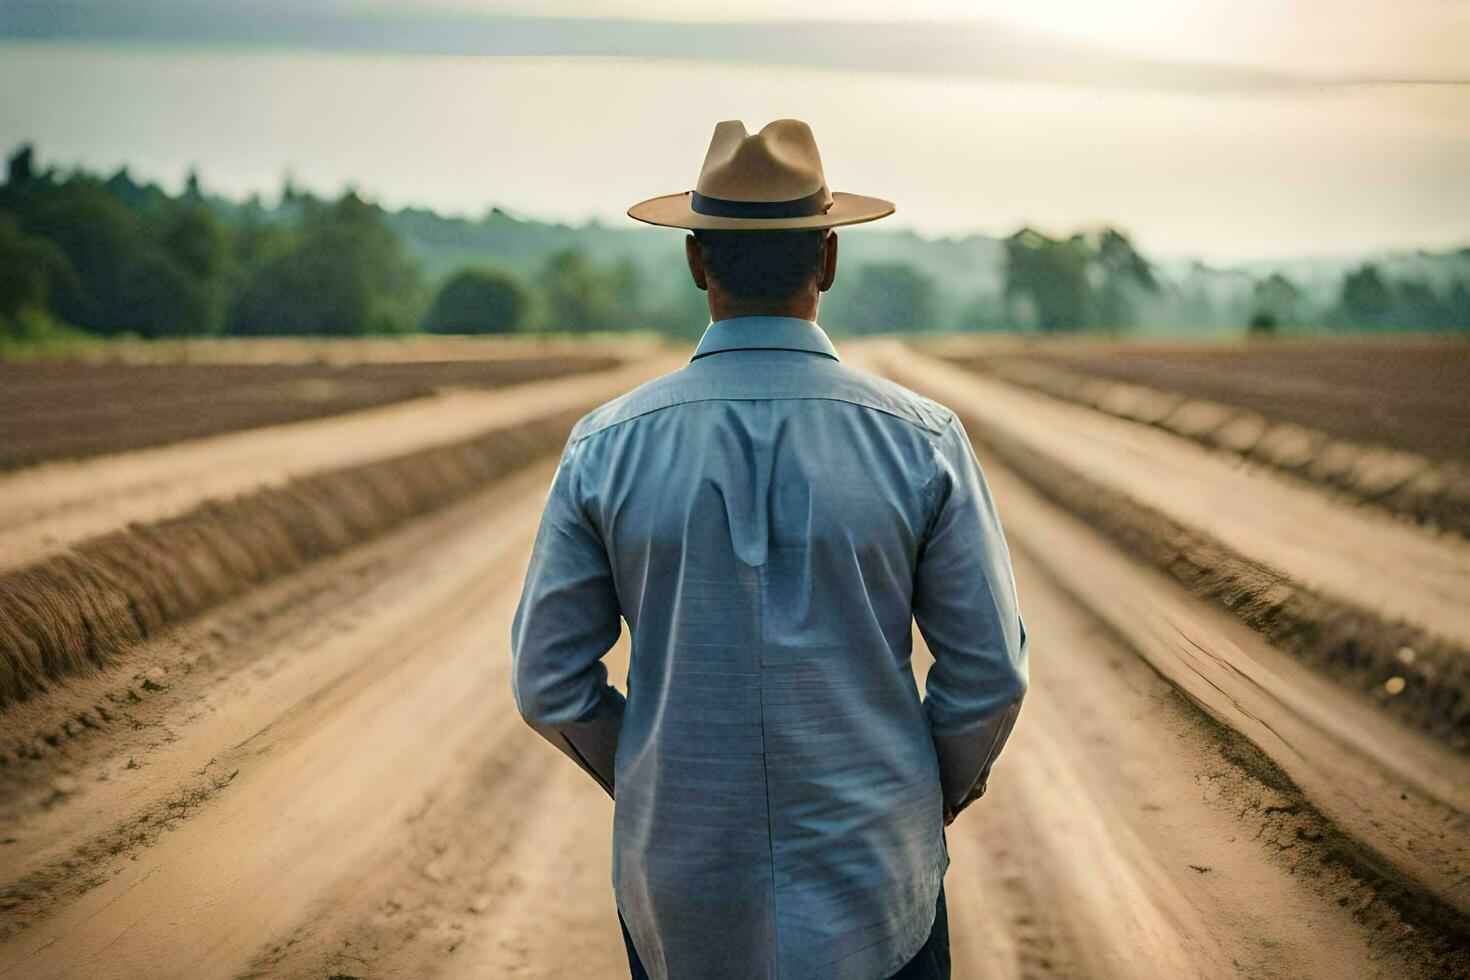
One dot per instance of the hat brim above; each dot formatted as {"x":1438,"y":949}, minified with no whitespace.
{"x":673,"y":211}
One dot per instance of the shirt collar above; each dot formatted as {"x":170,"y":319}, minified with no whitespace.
{"x":765,"y":333}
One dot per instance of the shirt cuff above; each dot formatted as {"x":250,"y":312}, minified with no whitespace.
{"x":965,"y":758}
{"x":591,"y":744}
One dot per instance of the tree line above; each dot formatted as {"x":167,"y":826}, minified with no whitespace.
{"x":110,"y":256}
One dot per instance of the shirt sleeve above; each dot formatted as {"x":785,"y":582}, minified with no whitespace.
{"x":966,"y":609}
{"x":567,"y":619}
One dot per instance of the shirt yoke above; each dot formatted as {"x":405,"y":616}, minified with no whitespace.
{"x":778,"y":379}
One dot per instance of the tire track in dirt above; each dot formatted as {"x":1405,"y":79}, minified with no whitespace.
{"x":1119,"y":839}
{"x":334,"y":748}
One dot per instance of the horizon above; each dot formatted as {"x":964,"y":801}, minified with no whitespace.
{"x":274,"y":199}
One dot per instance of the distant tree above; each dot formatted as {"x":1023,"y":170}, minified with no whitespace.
{"x":886,"y":297}
{"x":193,"y":237}
{"x":161,"y":299}
{"x":1079,"y":283}
{"x":1262,"y":324}
{"x":1275,"y":299}
{"x":1121,"y":275}
{"x":480,"y":301}
{"x":101,"y":239}
{"x":984,"y":311}
{"x":1366,"y":300}
{"x":20,"y":169}
{"x":32,"y":270}
{"x":1457,"y":306}
{"x":683,"y":315}
{"x":577,"y":295}
{"x":255,"y":243}
{"x":1051,"y":275}
{"x":343,"y":274}
{"x":133,"y":195}
{"x":1190,"y":301}
{"x":629,"y":291}
{"x":1418,"y":307}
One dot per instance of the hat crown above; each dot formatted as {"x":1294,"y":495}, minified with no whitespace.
{"x":771,"y":181}
{"x":779,"y":163}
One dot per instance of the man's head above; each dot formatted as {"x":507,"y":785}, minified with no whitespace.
{"x":775,"y":273}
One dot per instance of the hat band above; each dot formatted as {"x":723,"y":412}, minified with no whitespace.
{"x":802,"y":207}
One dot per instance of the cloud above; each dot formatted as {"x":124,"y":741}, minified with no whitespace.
{"x":974,"y":49}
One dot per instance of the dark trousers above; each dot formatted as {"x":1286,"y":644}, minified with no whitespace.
{"x":931,"y":962}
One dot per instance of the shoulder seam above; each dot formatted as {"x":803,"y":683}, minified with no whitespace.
{"x":933,"y":430}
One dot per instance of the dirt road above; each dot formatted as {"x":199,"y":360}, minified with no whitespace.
{"x":328,"y":778}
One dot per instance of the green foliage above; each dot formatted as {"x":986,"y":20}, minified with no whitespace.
{"x":163,"y":300}
{"x":100,"y":239}
{"x":1275,"y":299}
{"x":1119,"y":276}
{"x":154,"y":271}
{"x":34,"y":270}
{"x":683,"y":316}
{"x":20,"y":169}
{"x":32,"y":333}
{"x":1262,"y":324}
{"x":1046,"y":281}
{"x":983,"y":312}
{"x":1366,"y":300}
{"x":1370,"y":301}
{"x":480,"y":301}
{"x":196,"y":240}
{"x":579,"y":296}
{"x":886,"y":297}
{"x":110,"y":256}
{"x":344,"y":274}
{"x":1078,"y":283}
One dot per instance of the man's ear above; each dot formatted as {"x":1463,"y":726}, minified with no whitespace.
{"x":829,"y":266}
{"x":695,"y":258}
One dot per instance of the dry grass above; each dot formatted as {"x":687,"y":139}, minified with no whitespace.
{"x":81,"y":610}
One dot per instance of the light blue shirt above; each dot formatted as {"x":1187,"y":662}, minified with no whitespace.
{"x":770,"y":521}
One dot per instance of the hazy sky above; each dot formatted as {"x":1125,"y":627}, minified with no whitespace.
{"x":1407,"y":38}
{"x":1230,"y":131}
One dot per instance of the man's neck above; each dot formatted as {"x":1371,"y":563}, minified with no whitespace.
{"x":803,"y":308}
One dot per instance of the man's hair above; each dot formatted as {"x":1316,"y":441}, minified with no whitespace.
{"x":762,"y":265}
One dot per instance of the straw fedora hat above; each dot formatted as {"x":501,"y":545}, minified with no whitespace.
{"x":771,"y":181}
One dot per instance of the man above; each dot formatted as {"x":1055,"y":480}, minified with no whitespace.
{"x":770,"y":521}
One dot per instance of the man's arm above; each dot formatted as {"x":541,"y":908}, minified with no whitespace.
{"x":567,"y":619}
{"x":965,"y":606}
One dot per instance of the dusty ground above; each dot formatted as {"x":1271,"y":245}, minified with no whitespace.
{"x":326,"y":776}
{"x":1409,"y":394}
{"x":1319,"y":542}
{"x":70,"y":410}
{"x":47,"y":508}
